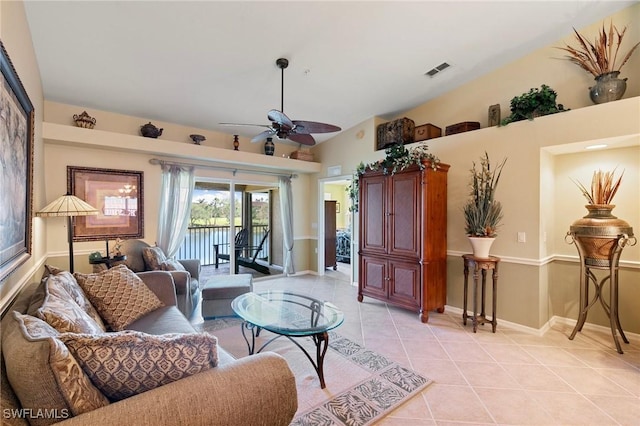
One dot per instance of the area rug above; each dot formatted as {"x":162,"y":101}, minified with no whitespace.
{"x":362,"y":386}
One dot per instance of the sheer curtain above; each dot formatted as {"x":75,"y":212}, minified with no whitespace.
{"x":286,"y":206}
{"x":175,"y":206}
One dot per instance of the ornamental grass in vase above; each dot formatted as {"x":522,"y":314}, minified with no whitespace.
{"x":598,"y":233}
{"x":482,"y":212}
{"x":603,"y":60}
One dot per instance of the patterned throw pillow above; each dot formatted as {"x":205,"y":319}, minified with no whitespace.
{"x":58,"y":367}
{"x":119,"y":295}
{"x":65,"y":279}
{"x":130,"y":362}
{"x":61,"y":312}
{"x":153,"y":257}
{"x":171,"y":265}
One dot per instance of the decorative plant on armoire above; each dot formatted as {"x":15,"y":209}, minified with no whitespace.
{"x":482,"y":212}
{"x":397,"y":158}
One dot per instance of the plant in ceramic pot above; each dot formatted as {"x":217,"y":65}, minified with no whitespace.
{"x":482,"y":212}
{"x":603,"y":60}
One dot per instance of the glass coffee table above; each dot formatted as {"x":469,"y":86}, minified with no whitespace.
{"x":289,"y":315}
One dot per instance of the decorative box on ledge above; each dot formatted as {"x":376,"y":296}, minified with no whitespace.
{"x":465,"y":126}
{"x":302,"y":154}
{"x":401,"y":131}
{"x":427,"y":131}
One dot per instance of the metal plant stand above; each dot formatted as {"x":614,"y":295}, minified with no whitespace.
{"x":587,"y":264}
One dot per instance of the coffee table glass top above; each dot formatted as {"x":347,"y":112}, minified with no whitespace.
{"x":287,"y":313}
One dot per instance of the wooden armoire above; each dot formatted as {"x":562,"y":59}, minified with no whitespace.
{"x":403,"y":238}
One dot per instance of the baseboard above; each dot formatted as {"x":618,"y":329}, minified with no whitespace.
{"x":511,"y":325}
{"x":547,"y":326}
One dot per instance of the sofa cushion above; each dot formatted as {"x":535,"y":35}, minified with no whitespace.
{"x":66,"y":280}
{"x":153,"y":257}
{"x":61,"y":312}
{"x":43,"y":373}
{"x":127,"y":363}
{"x":119,"y":295}
{"x":171,"y":265}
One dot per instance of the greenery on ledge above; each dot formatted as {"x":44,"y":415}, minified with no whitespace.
{"x":397,"y":158}
{"x":534,"y":103}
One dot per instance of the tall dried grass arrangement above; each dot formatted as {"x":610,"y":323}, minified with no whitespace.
{"x":599,"y":57}
{"x":603,"y":187}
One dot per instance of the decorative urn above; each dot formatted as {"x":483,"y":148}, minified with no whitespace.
{"x":598,"y":232}
{"x":150,"y":131}
{"x":84,"y":120}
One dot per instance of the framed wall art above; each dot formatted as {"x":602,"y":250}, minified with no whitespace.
{"x":16,"y":181}
{"x":119,"y":197}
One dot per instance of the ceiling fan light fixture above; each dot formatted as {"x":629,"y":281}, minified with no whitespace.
{"x":435,"y":70}
{"x":282,"y":127}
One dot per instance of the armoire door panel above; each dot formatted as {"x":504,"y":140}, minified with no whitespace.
{"x":404,"y":215}
{"x":372,"y":226}
{"x":373,"y":276}
{"x":404,"y":284}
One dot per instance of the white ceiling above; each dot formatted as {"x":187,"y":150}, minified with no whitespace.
{"x":205,"y":62}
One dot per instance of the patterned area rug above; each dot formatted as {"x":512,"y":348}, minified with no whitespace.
{"x":362,"y":386}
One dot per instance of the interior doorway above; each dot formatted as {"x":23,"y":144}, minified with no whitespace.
{"x":336,"y":230}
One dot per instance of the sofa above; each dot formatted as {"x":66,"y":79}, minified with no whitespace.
{"x":142,"y":257}
{"x":255,"y":390}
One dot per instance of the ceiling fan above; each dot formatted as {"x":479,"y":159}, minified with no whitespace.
{"x":283,"y":127}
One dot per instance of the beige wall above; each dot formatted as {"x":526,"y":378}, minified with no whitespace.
{"x":14,"y":33}
{"x":59,"y":156}
{"x":537,"y":196}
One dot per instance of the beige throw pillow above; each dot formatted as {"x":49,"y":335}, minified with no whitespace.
{"x":119,"y":295}
{"x":130,"y":362}
{"x":61,"y":312}
{"x":171,"y":265}
{"x":68,"y":282}
{"x":45,"y":375}
{"x":153,"y":257}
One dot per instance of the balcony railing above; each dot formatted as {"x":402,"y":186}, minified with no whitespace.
{"x":199,"y":242}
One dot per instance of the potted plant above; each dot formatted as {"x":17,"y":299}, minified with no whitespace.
{"x":534,"y":103}
{"x":601,"y":58}
{"x":397,"y":158}
{"x":482,"y":212}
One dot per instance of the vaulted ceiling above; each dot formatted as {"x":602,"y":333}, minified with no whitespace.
{"x":201,"y":63}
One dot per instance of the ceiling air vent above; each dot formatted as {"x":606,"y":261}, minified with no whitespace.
{"x":433,"y":71}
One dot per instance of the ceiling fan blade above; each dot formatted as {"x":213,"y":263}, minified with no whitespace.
{"x":305,"y":127}
{"x":244,"y":124}
{"x":263,"y":136}
{"x":304,"y":139}
{"x":280,"y":118}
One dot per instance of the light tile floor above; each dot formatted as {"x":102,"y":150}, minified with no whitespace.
{"x":507,"y":378}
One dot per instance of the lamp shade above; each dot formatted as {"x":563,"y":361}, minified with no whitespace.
{"x":67,"y":205}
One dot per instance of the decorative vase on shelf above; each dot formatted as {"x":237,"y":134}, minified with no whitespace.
{"x":236,"y":142}
{"x":269,"y":147}
{"x":84,"y":120}
{"x":480,"y":246}
{"x":598,"y":232}
{"x":608,"y":88}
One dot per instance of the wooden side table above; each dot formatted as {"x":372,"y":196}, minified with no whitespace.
{"x":105,"y":263}
{"x":480,"y":265}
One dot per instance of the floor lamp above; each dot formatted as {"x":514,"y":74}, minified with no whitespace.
{"x":68,"y":206}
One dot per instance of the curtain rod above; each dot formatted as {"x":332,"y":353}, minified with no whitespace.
{"x":234,"y":170}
